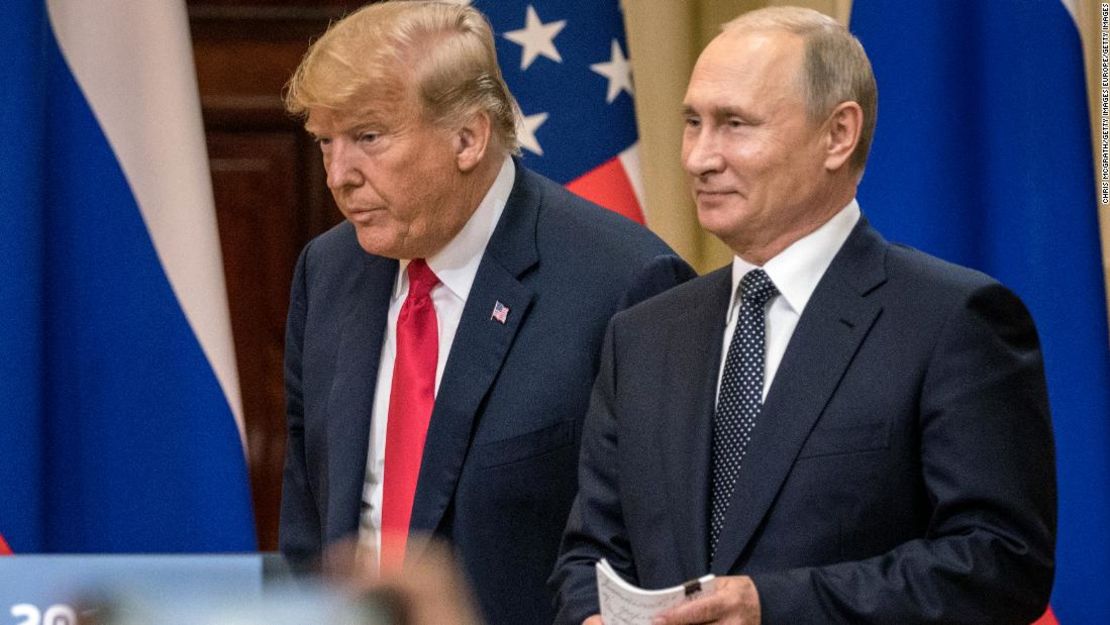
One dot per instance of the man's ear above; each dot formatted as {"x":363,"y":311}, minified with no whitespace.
{"x":842,"y":134}
{"x":472,"y":139}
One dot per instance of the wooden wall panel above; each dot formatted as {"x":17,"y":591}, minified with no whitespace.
{"x":254,"y":176}
{"x":270,"y":200}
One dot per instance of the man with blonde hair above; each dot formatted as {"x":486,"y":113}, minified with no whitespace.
{"x":442,"y":340}
{"x":840,"y":429}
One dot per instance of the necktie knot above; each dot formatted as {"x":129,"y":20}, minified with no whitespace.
{"x":421,"y":278}
{"x":756,"y":288}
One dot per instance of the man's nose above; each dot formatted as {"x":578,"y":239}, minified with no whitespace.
{"x":340,"y":165}
{"x":702,"y":154}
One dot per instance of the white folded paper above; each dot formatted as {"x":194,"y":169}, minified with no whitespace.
{"x":625,"y":604}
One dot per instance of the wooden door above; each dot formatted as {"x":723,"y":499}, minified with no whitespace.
{"x":270,"y":199}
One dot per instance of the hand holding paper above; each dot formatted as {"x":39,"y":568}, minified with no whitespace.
{"x":625,"y":604}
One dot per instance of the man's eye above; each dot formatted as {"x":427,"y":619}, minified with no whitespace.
{"x":693,"y":122}
{"x":368,"y":137}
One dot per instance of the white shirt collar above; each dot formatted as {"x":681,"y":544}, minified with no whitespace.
{"x":797,"y":269}
{"x":456,"y":265}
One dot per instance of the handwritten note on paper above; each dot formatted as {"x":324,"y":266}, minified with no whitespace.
{"x":625,"y":604}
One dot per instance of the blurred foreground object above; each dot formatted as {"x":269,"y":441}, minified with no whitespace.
{"x":429,"y":590}
{"x":246,"y":589}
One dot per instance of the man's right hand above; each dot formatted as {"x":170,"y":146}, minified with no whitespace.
{"x":593,"y":620}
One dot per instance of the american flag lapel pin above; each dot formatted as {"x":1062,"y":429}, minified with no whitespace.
{"x":500,"y":313}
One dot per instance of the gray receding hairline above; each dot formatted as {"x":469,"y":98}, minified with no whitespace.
{"x":835,"y":69}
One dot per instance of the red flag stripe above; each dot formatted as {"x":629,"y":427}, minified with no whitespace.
{"x":5,"y":550}
{"x":608,"y":185}
{"x":1047,"y":619}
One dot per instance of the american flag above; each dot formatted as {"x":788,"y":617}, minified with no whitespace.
{"x":500,"y":312}
{"x":566,"y":61}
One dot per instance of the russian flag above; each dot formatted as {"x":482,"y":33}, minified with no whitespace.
{"x":120,"y":398}
{"x":566,"y":61}
{"x":982,"y":156}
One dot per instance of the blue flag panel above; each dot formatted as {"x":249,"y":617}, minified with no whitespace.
{"x":114,"y":432}
{"x":982,"y":156}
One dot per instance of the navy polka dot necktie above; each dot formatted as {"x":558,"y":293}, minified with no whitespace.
{"x":740,"y":397}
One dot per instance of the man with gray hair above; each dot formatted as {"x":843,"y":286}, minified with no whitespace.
{"x":443,"y":339}
{"x":841,"y":429}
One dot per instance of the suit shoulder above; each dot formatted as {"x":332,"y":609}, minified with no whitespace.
{"x":679,"y":300}
{"x":340,"y":239}
{"x":335,"y":248}
{"x":922,"y":271}
{"x":567,"y":219}
{"x":926,"y":287}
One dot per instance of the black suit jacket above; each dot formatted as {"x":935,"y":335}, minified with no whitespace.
{"x":498,"y":472}
{"x":901,"y":469}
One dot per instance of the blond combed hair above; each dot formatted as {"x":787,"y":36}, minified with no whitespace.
{"x":836,"y":68}
{"x":376,"y":55}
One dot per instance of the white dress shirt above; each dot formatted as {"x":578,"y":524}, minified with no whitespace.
{"x":795,"y":272}
{"x":456,"y":266}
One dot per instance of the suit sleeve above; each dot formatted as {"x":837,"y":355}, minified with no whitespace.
{"x":595,"y":528}
{"x":299,"y":529}
{"x":988,"y":470}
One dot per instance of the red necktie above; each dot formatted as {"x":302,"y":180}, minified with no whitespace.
{"x":410,"y":409}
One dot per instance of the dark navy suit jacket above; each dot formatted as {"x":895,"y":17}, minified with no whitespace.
{"x":498,"y":473}
{"x":901,"y":469}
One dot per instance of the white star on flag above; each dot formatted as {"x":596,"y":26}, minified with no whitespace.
{"x":536,"y":38}
{"x":619,"y":72}
{"x":526,"y":132}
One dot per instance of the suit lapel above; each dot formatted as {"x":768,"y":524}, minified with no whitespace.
{"x":481,"y":344}
{"x":693,"y":355}
{"x":832,"y":327}
{"x":351,"y":399}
